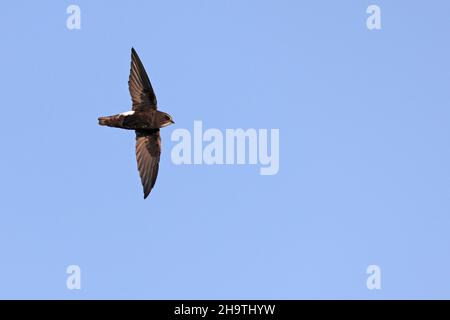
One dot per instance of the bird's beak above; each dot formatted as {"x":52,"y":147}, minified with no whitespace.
{"x":172,"y":121}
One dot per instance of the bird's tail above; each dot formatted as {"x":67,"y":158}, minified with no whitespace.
{"x":111,"y":121}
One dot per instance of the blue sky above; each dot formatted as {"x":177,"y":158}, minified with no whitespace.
{"x":364,"y":150}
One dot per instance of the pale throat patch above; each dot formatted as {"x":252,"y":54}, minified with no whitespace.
{"x":128,"y":113}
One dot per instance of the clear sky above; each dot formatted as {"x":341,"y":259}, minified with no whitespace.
{"x":364,"y":174}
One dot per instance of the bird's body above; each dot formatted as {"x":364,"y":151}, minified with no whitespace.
{"x":145,"y":119}
{"x":141,"y":120}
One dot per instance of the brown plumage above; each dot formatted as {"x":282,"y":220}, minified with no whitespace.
{"x":145,"y":119}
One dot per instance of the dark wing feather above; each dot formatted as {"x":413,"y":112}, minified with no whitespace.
{"x":141,"y":90}
{"x":148,"y":150}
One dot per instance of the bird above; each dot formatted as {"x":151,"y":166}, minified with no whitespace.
{"x":145,"y":119}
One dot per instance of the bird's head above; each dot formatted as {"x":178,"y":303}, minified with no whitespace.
{"x":165,"y":119}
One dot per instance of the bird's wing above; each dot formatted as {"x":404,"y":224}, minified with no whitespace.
{"x":141,"y":90}
{"x":148,"y":150}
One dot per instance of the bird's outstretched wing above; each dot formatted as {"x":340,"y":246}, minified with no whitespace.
{"x":148,"y":150}
{"x":141,"y":90}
